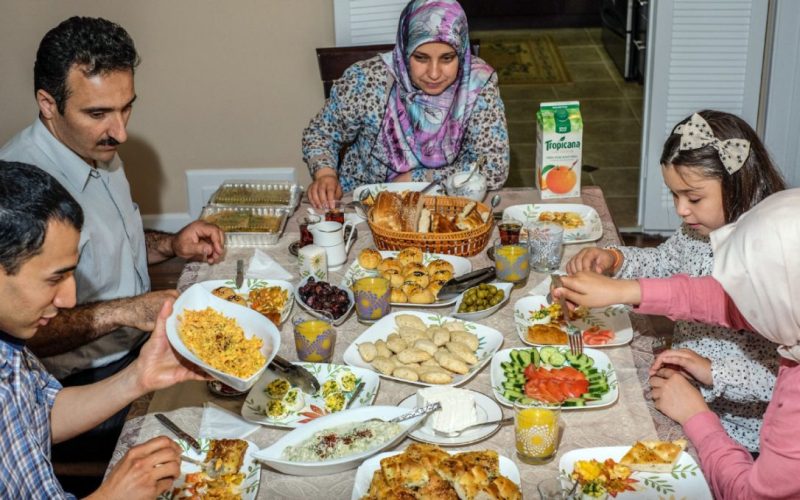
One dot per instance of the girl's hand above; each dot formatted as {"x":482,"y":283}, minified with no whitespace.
{"x":595,"y":290}
{"x":676,"y":398}
{"x":595,"y":259}
{"x":698,"y":367}
{"x":325,"y":190}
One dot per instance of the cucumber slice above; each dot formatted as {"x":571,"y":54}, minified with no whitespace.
{"x":507,"y":366}
{"x":557,"y":359}
{"x":546,"y":352}
{"x":515,"y":357}
{"x":513,"y":395}
{"x":535,"y":358}
{"x":573,"y":359}
{"x":525,"y":357}
{"x":574,"y":402}
{"x":526,"y":401}
{"x":600,"y":388}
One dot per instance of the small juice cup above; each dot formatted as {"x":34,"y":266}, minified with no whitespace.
{"x":536,"y":432}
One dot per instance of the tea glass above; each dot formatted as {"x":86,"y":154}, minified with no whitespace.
{"x":536,"y":431}
{"x":306,"y":238}
{"x":510,"y":230}
{"x":546,"y":243}
{"x":552,"y":489}
{"x":314,"y":339}
{"x":512,"y":262}
{"x":335,"y":212}
{"x":372,"y":297}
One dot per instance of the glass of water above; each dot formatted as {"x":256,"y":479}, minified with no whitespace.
{"x":545,"y":240}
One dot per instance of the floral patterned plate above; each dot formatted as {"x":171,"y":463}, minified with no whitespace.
{"x":251,"y":469}
{"x":685,"y":481}
{"x":614,"y":318}
{"x":591,"y":230}
{"x":254,"y":284}
{"x":460,"y":266}
{"x":313,"y":406}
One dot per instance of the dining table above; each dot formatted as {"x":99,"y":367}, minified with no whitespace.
{"x":632,"y":417}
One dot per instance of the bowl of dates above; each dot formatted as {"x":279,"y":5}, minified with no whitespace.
{"x":324,"y":301}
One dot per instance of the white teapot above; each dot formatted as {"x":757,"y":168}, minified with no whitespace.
{"x":330,"y":236}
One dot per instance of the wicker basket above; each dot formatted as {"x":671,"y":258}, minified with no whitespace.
{"x":463,"y":243}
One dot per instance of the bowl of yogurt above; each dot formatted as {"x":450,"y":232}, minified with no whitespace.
{"x":461,"y":184}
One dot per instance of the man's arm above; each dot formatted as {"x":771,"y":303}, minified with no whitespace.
{"x":72,"y":328}
{"x":80,"y":408}
{"x":199,"y":240}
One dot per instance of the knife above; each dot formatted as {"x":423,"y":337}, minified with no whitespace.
{"x":556,"y":283}
{"x":459,"y":284}
{"x":169,"y":424}
{"x":239,"y":273}
{"x":295,"y":374}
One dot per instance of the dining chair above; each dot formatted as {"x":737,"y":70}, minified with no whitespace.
{"x":333,"y":61}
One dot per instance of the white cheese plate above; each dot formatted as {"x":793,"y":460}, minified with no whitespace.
{"x":486,"y":409}
{"x":685,"y":481}
{"x":364,"y":473}
{"x":273,"y":455}
{"x":489,"y":341}
{"x":614,"y":318}
{"x":460,"y":265}
{"x":253,"y":324}
{"x":591,"y":230}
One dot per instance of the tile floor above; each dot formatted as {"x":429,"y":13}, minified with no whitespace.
{"x":612,"y":113}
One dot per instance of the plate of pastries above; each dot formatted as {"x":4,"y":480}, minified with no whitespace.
{"x":414,"y":276}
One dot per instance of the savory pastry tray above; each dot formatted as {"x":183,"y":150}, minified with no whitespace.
{"x":255,"y":193}
{"x":248,"y":226}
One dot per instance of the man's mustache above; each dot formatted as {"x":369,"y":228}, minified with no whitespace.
{"x":108,"y":142}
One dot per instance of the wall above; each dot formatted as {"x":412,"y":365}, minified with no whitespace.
{"x":222,"y":83}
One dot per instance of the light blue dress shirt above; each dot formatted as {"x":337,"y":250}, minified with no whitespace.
{"x":113,"y":256}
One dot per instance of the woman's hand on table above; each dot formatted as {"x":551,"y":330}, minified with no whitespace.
{"x":686,"y":362}
{"x":158,"y":365}
{"x":406,"y":177}
{"x":325,"y":190}
{"x":591,"y":289}
{"x":146,"y":471}
{"x":676,"y":397}
{"x":594,"y":259}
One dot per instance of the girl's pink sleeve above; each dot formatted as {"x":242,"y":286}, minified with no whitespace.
{"x":694,"y":299}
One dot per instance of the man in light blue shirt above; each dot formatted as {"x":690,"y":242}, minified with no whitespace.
{"x":84,"y":88}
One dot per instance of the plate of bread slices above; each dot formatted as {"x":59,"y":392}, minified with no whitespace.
{"x":415,"y":276}
{"x":646,"y":470}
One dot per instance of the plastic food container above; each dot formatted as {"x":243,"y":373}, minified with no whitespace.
{"x":248,"y":226}
{"x":255,"y":193}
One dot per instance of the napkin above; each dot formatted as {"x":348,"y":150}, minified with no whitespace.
{"x":262,"y":266}
{"x":219,"y":423}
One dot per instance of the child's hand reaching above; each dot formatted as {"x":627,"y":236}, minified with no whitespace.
{"x":594,"y":259}
{"x":595,"y":290}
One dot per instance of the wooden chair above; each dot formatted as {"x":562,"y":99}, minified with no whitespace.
{"x":334,"y":60}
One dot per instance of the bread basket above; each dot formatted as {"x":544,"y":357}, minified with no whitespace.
{"x":462,"y":243}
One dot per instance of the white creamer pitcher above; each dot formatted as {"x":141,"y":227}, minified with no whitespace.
{"x":330,"y":236}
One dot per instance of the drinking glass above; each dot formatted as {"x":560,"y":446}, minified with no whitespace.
{"x":510,"y":230}
{"x":536,"y":431}
{"x":314,"y":339}
{"x":545,"y":239}
{"x":306,"y":238}
{"x":335,"y":212}
{"x":552,"y":489}
{"x":512,"y":262}
{"x":372,"y":297}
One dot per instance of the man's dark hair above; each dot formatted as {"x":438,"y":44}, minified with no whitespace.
{"x":29,"y":199}
{"x":96,"y":45}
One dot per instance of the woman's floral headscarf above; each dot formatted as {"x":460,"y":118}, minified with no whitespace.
{"x":421,"y":129}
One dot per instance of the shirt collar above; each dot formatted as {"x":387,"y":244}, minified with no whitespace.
{"x":11,"y":342}
{"x":76,"y":171}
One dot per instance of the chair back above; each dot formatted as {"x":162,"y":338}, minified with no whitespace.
{"x":333,"y":61}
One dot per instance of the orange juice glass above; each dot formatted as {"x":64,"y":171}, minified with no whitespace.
{"x":536,"y":432}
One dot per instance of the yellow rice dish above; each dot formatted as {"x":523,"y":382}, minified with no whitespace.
{"x":219,"y":341}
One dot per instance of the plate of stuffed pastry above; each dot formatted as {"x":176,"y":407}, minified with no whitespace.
{"x":415,"y":276}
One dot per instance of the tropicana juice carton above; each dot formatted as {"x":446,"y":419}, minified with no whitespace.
{"x":559,"y":145}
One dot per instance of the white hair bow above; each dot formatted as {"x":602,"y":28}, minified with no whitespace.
{"x":696,"y":133}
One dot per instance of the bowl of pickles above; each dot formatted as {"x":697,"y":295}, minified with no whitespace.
{"x":481,"y":301}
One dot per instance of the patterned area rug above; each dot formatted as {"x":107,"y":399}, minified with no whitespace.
{"x":531,"y":59}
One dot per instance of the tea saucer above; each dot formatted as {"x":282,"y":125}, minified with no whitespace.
{"x":294,"y":246}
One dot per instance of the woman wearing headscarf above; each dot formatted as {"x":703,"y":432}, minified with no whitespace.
{"x":755,"y":285}
{"x":425,"y":110}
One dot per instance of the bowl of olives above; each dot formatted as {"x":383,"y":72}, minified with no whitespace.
{"x":481,"y":301}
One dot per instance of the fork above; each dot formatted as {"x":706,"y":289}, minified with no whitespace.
{"x":213,"y":468}
{"x":574,"y":334}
